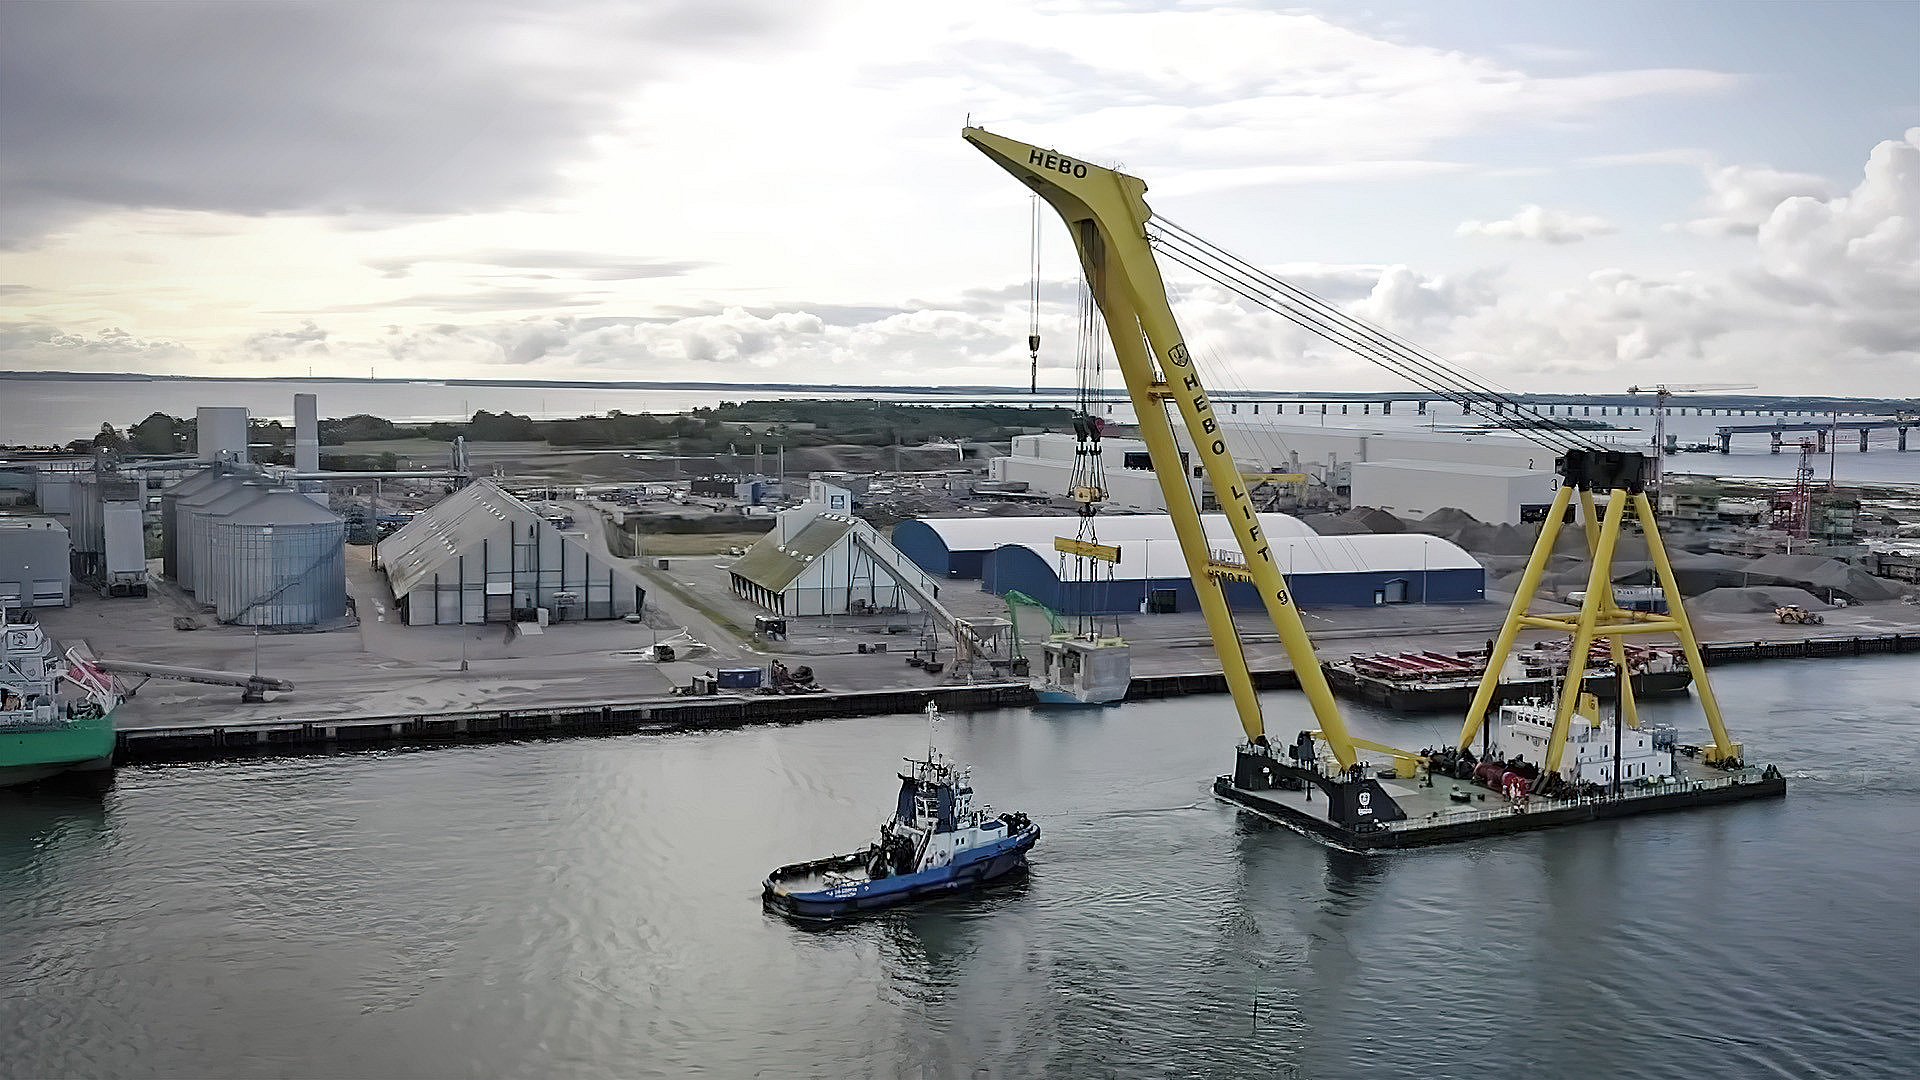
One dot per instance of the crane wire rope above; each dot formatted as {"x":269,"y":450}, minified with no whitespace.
{"x":1244,"y":273}
{"x":1033,"y":301}
{"x":1219,"y":372}
{"x":1089,"y":484}
{"x":1370,"y":343}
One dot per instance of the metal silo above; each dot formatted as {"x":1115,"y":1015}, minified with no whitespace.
{"x":170,"y":523}
{"x":198,"y":512}
{"x":279,"y":561}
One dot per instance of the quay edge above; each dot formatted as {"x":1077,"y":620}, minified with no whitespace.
{"x":210,"y":740}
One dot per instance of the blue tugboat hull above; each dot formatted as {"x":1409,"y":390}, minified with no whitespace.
{"x":977,"y":870}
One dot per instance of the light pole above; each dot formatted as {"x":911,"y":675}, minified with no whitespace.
{"x":1146,"y":576}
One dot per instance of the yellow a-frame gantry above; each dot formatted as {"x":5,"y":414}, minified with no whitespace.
{"x":1622,"y":475}
{"x":1107,"y":214}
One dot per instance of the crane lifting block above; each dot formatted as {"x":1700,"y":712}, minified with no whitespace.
{"x":1087,"y":549}
{"x":1230,"y":571}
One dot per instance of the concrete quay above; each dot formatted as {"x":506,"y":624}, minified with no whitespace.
{"x":380,"y":683}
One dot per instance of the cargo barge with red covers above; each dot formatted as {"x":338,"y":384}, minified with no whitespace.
{"x":1432,"y":681}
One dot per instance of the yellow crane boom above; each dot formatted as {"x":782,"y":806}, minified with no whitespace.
{"x":1107,"y":214}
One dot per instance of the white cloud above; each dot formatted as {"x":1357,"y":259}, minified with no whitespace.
{"x":38,"y":346}
{"x":680,"y":214}
{"x":1538,"y":223}
{"x":1740,"y":197}
{"x":1852,"y":263}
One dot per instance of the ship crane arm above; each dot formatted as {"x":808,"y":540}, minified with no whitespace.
{"x":1106,"y":213}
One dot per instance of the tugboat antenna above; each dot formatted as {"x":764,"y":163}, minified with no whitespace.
{"x":933,"y":718}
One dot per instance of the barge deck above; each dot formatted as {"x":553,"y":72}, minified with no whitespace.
{"x":1433,"y":817}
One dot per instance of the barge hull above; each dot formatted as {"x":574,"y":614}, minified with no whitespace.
{"x":1416,"y":834}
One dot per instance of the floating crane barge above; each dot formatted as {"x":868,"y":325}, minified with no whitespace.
{"x":1530,"y":768}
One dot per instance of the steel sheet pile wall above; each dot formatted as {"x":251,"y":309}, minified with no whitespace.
{"x":278,"y":561}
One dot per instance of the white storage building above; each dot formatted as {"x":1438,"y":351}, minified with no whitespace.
{"x":1322,"y":571}
{"x":958,"y":547}
{"x":1045,"y":462}
{"x":1495,"y":494}
{"x":33,"y":562}
{"x":820,"y":560}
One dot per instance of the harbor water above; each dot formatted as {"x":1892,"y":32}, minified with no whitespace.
{"x":590,"y":908}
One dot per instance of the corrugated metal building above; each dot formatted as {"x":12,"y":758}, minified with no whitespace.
{"x":109,"y":532}
{"x":1045,"y":462}
{"x":33,"y":562}
{"x":795,"y":576}
{"x":1333,"y":571}
{"x":958,"y":547}
{"x":480,"y":554}
{"x":817,"y":560}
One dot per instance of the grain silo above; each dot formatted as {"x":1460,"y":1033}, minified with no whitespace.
{"x":170,"y":518}
{"x":197,"y":514}
{"x":277,"y":560}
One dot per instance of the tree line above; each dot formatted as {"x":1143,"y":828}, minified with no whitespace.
{"x":705,"y":430}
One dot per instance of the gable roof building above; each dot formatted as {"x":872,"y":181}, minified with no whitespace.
{"x":480,"y":554}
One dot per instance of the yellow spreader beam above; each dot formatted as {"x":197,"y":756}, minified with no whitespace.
{"x":1107,"y":214}
{"x":1087,"y":548}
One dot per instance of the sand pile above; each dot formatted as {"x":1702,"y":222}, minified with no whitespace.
{"x":1755,"y":599}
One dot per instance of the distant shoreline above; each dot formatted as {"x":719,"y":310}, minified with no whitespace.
{"x":1854,"y":405}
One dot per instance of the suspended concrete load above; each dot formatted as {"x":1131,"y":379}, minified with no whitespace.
{"x":280,"y":560}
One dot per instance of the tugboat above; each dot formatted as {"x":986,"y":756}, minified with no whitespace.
{"x":46,"y":729}
{"x":935,"y":844}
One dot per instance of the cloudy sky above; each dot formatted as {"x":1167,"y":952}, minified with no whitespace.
{"x":1564,"y":197}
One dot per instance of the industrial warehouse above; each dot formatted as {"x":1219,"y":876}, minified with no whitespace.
{"x":950,"y":547}
{"x":1501,"y":478}
{"x":1342,"y":571}
{"x":820,"y":560}
{"x":1018,"y":555}
{"x":482,"y":555}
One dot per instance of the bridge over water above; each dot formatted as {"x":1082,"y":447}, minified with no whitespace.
{"x":1777,"y":430}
